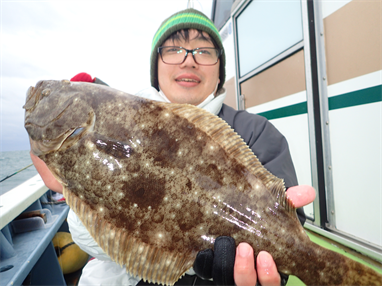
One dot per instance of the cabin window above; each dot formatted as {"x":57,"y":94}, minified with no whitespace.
{"x":221,"y":12}
{"x":265,"y":29}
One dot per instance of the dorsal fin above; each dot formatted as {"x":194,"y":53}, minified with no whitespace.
{"x":278,"y":191}
{"x":235,"y":147}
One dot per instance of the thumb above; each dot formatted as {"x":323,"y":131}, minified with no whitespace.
{"x":301,"y":195}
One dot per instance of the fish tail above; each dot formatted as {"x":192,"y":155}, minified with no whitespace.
{"x":321,"y":266}
{"x":360,"y":274}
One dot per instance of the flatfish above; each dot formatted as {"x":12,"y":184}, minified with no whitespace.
{"x":154,"y":183}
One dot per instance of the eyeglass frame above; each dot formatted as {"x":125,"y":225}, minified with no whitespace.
{"x":220,"y":52}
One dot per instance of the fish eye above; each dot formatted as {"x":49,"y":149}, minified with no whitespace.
{"x":77,"y":132}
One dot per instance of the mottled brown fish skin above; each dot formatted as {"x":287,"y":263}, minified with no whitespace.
{"x":155,"y":183}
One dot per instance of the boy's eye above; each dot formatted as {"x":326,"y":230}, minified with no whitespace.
{"x":207,"y":52}
{"x":173,"y":50}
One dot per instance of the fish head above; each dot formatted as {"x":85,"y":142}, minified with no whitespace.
{"x":56,"y":116}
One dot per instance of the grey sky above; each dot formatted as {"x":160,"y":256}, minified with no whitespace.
{"x":110,"y":40}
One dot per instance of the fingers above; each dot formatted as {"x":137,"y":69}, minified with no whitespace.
{"x":244,"y":269}
{"x":49,"y":180}
{"x":224,"y":260}
{"x":301,"y":195}
{"x":267,"y":270}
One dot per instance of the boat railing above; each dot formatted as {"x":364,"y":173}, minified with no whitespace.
{"x":26,"y":249}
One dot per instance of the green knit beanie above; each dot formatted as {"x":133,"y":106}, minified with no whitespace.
{"x":186,"y":19}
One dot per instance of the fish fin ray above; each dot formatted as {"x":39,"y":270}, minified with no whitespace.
{"x":223,"y":134}
{"x":149,"y":262}
{"x":278,"y":191}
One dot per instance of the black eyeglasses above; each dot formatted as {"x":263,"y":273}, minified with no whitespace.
{"x":173,"y":55}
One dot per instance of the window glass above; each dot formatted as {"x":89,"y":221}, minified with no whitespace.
{"x":222,"y":12}
{"x":266,"y":29}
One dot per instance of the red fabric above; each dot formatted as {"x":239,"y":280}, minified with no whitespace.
{"x":83,"y":76}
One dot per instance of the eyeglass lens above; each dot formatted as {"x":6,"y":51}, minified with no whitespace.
{"x":177,"y":55}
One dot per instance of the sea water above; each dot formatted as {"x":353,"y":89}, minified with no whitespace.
{"x":10,"y":163}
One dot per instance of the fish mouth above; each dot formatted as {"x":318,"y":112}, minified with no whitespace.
{"x":45,"y":146}
{"x":64,"y":141}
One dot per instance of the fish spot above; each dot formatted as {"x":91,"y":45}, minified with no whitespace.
{"x":290,"y":242}
{"x":133,"y":167}
{"x":158,"y":217}
{"x":90,"y":145}
{"x":189,"y":184}
{"x":93,"y":200}
{"x":97,"y":175}
{"x":145,"y":192}
{"x":139,"y":214}
{"x":190,"y":218}
{"x":176,"y":237}
{"x":211,"y":177}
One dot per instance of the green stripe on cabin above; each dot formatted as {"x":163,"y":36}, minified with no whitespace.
{"x":354,"y":98}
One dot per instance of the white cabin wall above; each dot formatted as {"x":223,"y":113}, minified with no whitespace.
{"x":352,"y":57}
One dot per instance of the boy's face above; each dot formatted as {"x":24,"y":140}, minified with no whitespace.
{"x":188,"y":82}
